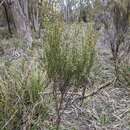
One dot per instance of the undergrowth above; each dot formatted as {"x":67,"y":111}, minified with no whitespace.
{"x":33,"y":90}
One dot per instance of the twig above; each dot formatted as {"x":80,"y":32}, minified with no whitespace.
{"x":58,"y":93}
{"x":96,"y":91}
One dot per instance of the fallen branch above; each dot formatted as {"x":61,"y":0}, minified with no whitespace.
{"x":103,"y":86}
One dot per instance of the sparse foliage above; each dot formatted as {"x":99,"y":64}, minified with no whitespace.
{"x":69,"y":69}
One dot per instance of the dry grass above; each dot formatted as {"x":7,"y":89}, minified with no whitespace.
{"x":26,"y":98}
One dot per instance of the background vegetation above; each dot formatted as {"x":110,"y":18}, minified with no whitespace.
{"x":65,"y":66}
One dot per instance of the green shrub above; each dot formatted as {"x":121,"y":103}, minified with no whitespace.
{"x":69,"y":62}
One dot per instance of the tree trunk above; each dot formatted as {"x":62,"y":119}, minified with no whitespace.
{"x":34,"y":16}
{"x":20,"y":15}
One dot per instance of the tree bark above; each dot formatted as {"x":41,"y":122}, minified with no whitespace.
{"x":20,"y":16}
{"x":34,"y":16}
